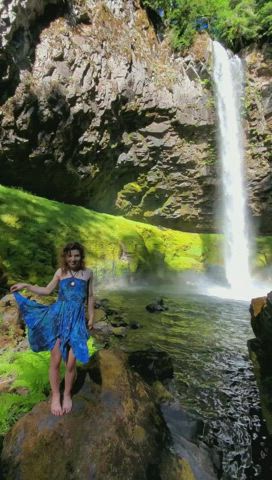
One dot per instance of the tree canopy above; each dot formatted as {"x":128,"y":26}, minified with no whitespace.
{"x":235,"y":22}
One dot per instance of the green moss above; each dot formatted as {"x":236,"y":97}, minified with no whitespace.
{"x":263,"y":252}
{"x":29,"y":372}
{"x":132,"y":187}
{"x":34,"y":229}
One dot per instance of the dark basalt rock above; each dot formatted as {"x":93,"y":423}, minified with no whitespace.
{"x":261,"y":353}
{"x":86,"y":101}
{"x":134,"y":325}
{"x":152,"y":365}
{"x":156,"y":307}
{"x":118,"y":323}
{"x":261,"y":320}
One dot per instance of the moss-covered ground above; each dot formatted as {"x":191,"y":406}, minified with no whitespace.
{"x":33,"y":230}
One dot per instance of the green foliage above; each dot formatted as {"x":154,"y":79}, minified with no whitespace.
{"x":235,"y":22}
{"x":28,"y":372}
{"x":239,"y":26}
{"x":264,"y":16}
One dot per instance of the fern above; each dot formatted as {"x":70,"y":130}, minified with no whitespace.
{"x":28,"y":370}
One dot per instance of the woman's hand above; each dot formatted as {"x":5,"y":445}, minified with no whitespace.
{"x":18,"y":286}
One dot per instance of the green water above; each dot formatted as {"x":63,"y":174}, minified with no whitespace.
{"x":207,"y":340}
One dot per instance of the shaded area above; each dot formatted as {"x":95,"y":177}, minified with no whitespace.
{"x":19,"y":53}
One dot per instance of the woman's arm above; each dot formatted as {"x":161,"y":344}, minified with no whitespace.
{"x":90,"y":302}
{"x":39,"y":290}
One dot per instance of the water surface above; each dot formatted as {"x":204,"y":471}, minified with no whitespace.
{"x":207,"y":340}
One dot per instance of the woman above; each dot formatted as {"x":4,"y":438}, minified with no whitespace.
{"x":60,"y":327}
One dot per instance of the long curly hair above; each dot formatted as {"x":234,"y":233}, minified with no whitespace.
{"x":65,"y":252}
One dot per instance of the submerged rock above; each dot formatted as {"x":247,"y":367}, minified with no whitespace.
{"x":159,"y":306}
{"x":152,"y":365}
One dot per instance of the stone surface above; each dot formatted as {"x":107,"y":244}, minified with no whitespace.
{"x":260,"y":352}
{"x":152,"y":365}
{"x":261,"y":320}
{"x":12,"y":329}
{"x":115,"y":431}
{"x":118,"y":123}
{"x":258,"y":101}
{"x":115,"y":122}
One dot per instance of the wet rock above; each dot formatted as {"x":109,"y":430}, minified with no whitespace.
{"x":103,"y":327}
{"x":118,"y":322}
{"x":161,"y":393}
{"x":180,"y":420}
{"x":134,"y":325}
{"x":99,"y":315}
{"x":119,"y":331}
{"x":159,"y":306}
{"x":261,"y":319}
{"x":151,"y":364}
{"x":260,"y":351}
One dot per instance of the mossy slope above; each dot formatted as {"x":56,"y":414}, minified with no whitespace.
{"x":33,"y":230}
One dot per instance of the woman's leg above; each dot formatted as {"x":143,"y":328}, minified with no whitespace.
{"x":54,"y":378}
{"x":69,"y":380}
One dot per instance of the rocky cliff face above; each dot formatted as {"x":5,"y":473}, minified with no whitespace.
{"x":259,"y":134}
{"x":97,"y":111}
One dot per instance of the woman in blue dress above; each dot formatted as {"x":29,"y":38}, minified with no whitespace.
{"x":61,"y":327}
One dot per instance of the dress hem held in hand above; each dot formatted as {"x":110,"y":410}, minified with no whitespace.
{"x":63,"y":320}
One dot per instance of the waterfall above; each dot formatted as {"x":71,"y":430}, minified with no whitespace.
{"x":228,"y":79}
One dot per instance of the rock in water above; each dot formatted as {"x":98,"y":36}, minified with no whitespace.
{"x":159,"y":306}
{"x":152,"y":365}
{"x":260,"y":352}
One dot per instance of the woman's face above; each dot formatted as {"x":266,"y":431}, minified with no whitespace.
{"x":73,"y":259}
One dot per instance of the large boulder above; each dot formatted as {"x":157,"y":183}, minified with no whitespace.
{"x":261,"y":320}
{"x":261,"y":353}
{"x":115,"y":431}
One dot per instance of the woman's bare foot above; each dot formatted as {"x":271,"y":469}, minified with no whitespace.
{"x":56,"y":406}
{"x":67,"y":403}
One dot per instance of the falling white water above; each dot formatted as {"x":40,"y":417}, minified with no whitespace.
{"x":228,"y":78}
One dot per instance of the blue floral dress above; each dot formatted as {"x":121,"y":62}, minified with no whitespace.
{"x":64,"y":320}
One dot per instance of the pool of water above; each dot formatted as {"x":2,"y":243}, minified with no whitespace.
{"x":206,"y":338}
